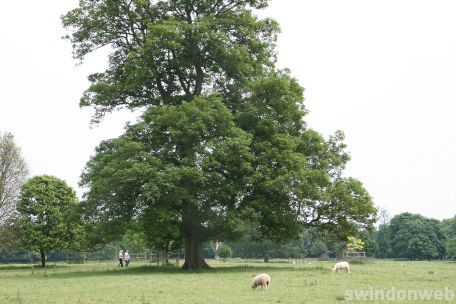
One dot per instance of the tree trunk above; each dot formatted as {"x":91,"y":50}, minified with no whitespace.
{"x":194,"y":258}
{"x":167,"y":256}
{"x":43,"y":258}
{"x":199,"y":81}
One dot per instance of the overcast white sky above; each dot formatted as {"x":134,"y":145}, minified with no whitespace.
{"x":384,"y":72}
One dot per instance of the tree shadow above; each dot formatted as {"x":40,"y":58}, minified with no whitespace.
{"x":93,"y":270}
{"x":9,"y":267}
{"x":68,"y":272}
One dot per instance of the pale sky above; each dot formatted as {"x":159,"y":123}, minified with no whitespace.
{"x":384,"y":72}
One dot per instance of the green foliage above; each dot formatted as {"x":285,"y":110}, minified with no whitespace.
{"x":18,"y":256}
{"x":134,"y":241}
{"x":318,"y":249}
{"x":371,"y":247}
{"x":416,"y":237}
{"x":224,"y":251}
{"x":357,"y":261}
{"x":449,"y":230}
{"x":383,"y":239}
{"x":259,"y":249}
{"x":449,"y":227}
{"x":337,"y":249}
{"x":450,"y":247}
{"x":167,"y":52}
{"x":310,"y":243}
{"x":354,"y":244}
{"x":46,"y":218}
{"x":412,"y":236}
{"x":173,"y":156}
{"x":9,"y":235}
{"x":297,"y":171}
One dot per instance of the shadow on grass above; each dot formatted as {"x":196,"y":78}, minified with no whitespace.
{"x":93,"y":270}
{"x":5,"y":267}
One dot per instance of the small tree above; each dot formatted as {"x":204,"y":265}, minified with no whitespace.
{"x":224,"y":251}
{"x":13,"y":172}
{"x":354,"y":244}
{"x":383,"y":216}
{"x":46,"y":219}
{"x":215,"y":246}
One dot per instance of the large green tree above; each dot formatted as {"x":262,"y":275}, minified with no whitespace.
{"x":223,"y":139}
{"x":46,"y":218}
{"x":416,"y":237}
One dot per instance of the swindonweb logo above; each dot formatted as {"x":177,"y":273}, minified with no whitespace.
{"x":393,"y":294}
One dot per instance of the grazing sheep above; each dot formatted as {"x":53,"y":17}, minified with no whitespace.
{"x":262,"y":279}
{"x":341,"y":266}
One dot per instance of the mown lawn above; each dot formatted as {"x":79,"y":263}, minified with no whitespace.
{"x":307,"y":281}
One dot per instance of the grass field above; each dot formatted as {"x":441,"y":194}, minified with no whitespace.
{"x":305,"y":282}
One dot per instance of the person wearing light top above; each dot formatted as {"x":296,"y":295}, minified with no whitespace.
{"x":126,"y":258}
{"x":121,"y":257}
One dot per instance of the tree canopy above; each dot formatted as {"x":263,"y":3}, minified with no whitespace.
{"x":222,"y":144}
{"x":165,"y":52}
{"x":175,"y":167}
{"x":416,"y":237}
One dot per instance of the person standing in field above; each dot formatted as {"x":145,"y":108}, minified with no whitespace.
{"x":126,"y":258}
{"x":121,"y":257}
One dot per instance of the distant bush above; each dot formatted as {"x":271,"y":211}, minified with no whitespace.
{"x":225,"y":251}
{"x":324,"y":257}
{"x":357,"y":261}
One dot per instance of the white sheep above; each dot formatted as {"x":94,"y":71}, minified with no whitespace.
{"x":262,"y":279}
{"x":341,"y":266}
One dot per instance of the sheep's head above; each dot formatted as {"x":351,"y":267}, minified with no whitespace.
{"x":254,"y":286}
{"x":334,"y":269}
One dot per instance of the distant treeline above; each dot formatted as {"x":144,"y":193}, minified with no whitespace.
{"x":405,"y":236}
{"x":413,"y":236}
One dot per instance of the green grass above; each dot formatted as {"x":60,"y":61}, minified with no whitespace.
{"x":306,"y":282}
